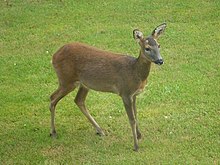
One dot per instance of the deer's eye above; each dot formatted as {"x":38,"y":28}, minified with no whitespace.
{"x":158,"y":46}
{"x":147,"y":49}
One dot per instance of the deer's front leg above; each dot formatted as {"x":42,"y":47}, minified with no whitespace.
{"x":128,"y":103}
{"x":135,"y":113}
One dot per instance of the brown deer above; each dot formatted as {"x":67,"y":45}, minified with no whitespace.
{"x":77,"y":64}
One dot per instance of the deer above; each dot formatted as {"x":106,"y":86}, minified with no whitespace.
{"x":89,"y":68}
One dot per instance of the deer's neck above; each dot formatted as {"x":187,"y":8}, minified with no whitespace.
{"x":143,"y":66}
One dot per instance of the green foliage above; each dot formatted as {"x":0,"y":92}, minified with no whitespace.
{"x":178,"y":111}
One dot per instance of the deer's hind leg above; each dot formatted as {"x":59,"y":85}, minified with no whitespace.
{"x":80,"y":102}
{"x":61,"y":92}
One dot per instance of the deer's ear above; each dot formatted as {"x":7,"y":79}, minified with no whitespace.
{"x":159,"y":30}
{"x":138,"y":35}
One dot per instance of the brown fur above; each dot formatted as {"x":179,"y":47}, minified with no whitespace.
{"x":78,"y":64}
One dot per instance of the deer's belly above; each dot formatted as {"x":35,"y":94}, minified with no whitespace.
{"x":102,"y":87}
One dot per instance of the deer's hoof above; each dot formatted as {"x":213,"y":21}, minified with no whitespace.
{"x":136,"y":148}
{"x":53,"y":134}
{"x":100,"y":132}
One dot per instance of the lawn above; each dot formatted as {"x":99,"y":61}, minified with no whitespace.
{"x":179,"y":110}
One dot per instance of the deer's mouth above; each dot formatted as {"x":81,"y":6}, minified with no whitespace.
{"x":159,"y":62}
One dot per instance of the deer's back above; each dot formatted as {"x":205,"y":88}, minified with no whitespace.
{"x":83,"y":52}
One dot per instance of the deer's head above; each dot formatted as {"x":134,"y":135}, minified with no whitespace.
{"x":150,"y":48}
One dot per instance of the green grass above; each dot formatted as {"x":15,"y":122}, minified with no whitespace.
{"x":179,"y":111}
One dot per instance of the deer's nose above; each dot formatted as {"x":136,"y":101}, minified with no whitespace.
{"x":159,"y":62}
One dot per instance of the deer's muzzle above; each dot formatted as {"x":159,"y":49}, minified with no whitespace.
{"x":159,"y":62}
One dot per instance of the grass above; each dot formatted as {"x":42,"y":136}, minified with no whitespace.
{"x":178,"y":111}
